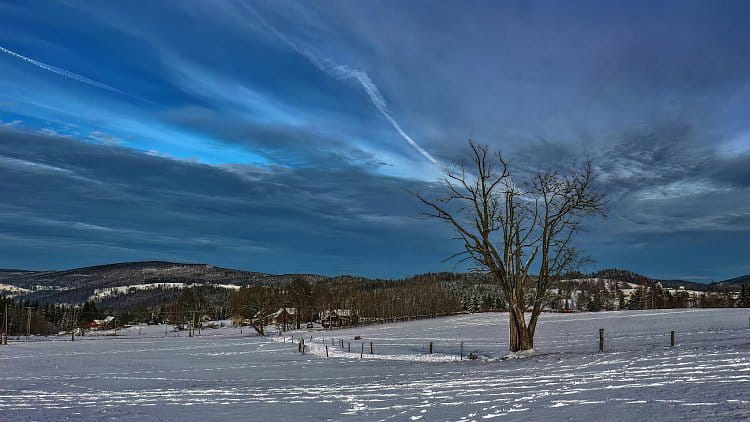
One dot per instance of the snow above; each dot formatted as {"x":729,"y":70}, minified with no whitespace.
{"x":522,"y":354}
{"x":225,"y":374}
{"x":10,"y":290}
{"x":122,"y":290}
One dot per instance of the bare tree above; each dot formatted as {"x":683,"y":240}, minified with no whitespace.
{"x":522,"y":235}
{"x":254,"y":303}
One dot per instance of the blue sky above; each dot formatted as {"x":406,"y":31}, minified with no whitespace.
{"x":280,"y":136}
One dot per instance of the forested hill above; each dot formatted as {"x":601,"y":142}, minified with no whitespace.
{"x":133,"y":273}
{"x":733,"y":284}
{"x":146,"y":281}
{"x":105,"y":281}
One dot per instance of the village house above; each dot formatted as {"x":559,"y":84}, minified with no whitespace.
{"x":338,"y":318}
{"x":283,"y":318}
{"x":102,"y":324}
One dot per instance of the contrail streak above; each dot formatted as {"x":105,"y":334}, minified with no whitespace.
{"x":63,"y":72}
{"x":347,"y":72}
{"x":377,"y":99}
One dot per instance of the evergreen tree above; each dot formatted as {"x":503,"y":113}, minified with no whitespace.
{"x":88,"y":313}
{"x":744,"y":301}
{"x":636,"y":299}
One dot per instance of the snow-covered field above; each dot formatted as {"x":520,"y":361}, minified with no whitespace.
{"x":223,"y":374}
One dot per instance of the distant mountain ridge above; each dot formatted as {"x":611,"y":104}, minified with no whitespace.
{"x":127,"y":273}
{"x":734,"y":283}
{"x":631,"y":277}
{"x":79,"y":284}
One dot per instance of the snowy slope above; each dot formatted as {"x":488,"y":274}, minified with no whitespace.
{"x":225,"y":375}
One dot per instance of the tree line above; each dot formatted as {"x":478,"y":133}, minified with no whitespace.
{"x":370,"y":301}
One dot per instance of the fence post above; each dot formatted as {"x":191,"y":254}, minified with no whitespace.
{"x":462,"y":350}
{"x":342,"y":343}
{"x":671,"y":338}
{"x":371,"y":348}
{"x":430,"y":347}
{"x":326,"y":350}
{"x":349,"y":344}
{"x":362,"y":352}
{"x":601,"y":339}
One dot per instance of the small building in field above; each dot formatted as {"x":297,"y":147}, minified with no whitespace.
{"x":102,"y":324}
{"x":283,"y":317}
{"x":338,"y":318}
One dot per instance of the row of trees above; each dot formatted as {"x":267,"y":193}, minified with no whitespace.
{"x":28,"y":317}
{"x":368,"y":300}
{"x":425,"y":296}
{"x":180,"y":307}
{"x":597,"y":296}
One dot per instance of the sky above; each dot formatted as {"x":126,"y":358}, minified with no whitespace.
{"x":283,"y":137}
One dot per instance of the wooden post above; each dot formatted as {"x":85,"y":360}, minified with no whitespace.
{"x":326,"y":350}
{"x":430,"y":347}
{"x":362,"y":352}
{"x":671,"y":338}
{"x":349,"y":344}
{"x":5,"y":326}
{"x":462,"y":350}
{"x":601,"y":339}
{"x":371,"y":348}
{"x":28,"y":322}
{"x":342,"y":343}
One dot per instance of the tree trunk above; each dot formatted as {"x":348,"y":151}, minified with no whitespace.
{"x":525,"y":340}
{"x":520,"y":336}
{"x":513,"y":333}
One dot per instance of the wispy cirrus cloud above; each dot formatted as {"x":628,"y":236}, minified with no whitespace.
{"x":340,"y":71}
{"x":113,"y":203}
{"x":336,"y":105}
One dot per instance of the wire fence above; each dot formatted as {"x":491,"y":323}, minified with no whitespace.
{"x":390,"y":342}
